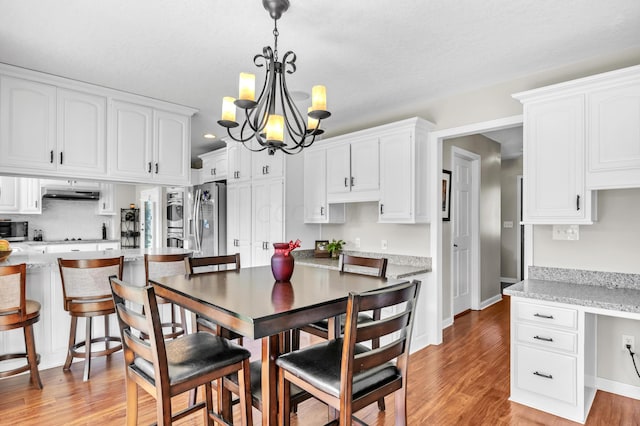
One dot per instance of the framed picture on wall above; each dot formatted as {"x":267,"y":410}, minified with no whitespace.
{"x":446,"y":195}
{"x":321,"y":248}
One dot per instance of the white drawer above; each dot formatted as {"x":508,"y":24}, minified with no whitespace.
{"x":547,"y":338}
{"x":549,"y":374}
{"x":547,"y":315}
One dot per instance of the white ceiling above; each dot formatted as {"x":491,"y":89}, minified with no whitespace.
{"x":378,"y":59}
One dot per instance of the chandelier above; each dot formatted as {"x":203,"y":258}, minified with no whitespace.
{"x":267,"y":118}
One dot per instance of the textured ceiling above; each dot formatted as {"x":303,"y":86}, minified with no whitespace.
{"x":377,"y":58}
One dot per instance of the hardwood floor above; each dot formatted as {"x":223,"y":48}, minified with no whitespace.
{"x":464,"y":381}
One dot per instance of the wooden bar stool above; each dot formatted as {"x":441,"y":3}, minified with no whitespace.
{"x":16,"y":311}
{"x":87,"y":294}
{"x":163,"y":265}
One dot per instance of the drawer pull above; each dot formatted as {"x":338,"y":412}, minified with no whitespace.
{"x":543,"y":316}
{"x":546,"y":376}
{"x":544,"y":339}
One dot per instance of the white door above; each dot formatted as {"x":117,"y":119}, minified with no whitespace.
{"x":151,"y":218}
{"x":462,"y":228}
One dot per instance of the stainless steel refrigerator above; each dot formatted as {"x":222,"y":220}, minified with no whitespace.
{"x":207,"y":224}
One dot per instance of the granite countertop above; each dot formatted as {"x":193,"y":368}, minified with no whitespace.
{"x":44,"y":243}
{"x":604,"y":290}
{"x":40,"y":260}
{"x":398,"y":267}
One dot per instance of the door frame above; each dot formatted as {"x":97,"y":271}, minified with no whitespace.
{"x":433,"y":285}
{"x":519,"y":227}
{"x":474,"y":285}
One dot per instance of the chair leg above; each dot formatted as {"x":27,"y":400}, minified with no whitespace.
{"x":163,"y":409}
{"x":132,"y":401}
{"x":401,"y":406}
{"x":107,"y":343}
{"x":295,"y":339}
{"x":72,"y":342}
{"x":87,"y":350}
{"x":208,"y":394}
{"x":32,"y":356}
{"x":284,"y":396}
{"x":244,"y":381}
{"x":375,"y":343}
{"x":224,"y":400}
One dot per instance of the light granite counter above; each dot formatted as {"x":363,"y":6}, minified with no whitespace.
{"x":398,"y":267}
{"x":594,"y":289}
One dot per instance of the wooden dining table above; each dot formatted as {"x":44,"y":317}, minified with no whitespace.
{"x":249,"y":302}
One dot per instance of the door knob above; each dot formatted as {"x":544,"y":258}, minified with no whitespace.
{"x":455,"y":245}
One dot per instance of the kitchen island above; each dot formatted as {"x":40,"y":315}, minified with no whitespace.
{"x":44,"y":285}
{"x":554,"y":318}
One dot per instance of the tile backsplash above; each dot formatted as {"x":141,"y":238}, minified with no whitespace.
{"x":62,"y":219}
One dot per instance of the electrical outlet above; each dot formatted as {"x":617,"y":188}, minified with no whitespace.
{"x":628,"y":340}
{"x":384,"y":244}
{"x":357,"y":242}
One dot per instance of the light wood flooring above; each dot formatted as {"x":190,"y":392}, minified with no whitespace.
{"x":464,"y":381}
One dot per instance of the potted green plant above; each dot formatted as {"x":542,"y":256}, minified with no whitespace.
{"x":335,"y":247}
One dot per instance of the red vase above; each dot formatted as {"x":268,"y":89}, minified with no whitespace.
{"x":282,"y":262}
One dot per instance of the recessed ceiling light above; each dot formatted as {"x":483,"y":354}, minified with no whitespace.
{"x":209,"y":136}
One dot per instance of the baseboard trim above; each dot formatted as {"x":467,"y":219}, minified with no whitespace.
{"x":491,"y":301}
{"x":508,"y":280}
{"x":630,"y":391}
{"x":447,"y":322}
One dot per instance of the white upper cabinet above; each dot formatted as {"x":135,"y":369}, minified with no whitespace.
{"x":81,"y":147}
{"x":214,"y":165}
{"x":27,"y":124}
{"x":130,"y":141}
{"x":316,"y":208}
{"x":239,"y":163}
{"x":30,"y":196}
{"x":9,"y":195}
{"x":554,"y":153}
{"x":171,"y":147}
{"x":107,"y":202}
{"x":265,"y":166}
{"x":613,"y":159}
{"x":353,"y":171}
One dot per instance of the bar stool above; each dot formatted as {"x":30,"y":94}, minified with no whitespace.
{"x":87,"y":294}
{"x":16,"y":311}
{"x":162,"y":265}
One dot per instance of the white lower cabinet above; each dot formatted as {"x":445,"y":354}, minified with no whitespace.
{"x":552,"y":367}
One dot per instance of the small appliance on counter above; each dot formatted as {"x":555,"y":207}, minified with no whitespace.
{"x":37,"y":235}
{"x":14,"y":231}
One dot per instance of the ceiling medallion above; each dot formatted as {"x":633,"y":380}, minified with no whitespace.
{"x":266,"y":118}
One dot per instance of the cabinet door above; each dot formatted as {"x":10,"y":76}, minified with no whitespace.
{"x":172,"y":163}
{"x":315,"y":186}
{"x":9,"y":195}
{"x":396,"y":178}
{"x":554,"y":145}
{"x":28,"y":117}
{"x":268,"y":218}
{"x":214,"y":166}
{"x":365,"y":165}
{"x":81,"y":133}
{"x":106,"y":204}
{"x":239,"y":221}
{"x":30,"y":198}
{"x":613,"y":150}
{"x":130,"y":141}
{"x":239,"y":162}
{"x":267,"y":166}
{"x":338,"y":169}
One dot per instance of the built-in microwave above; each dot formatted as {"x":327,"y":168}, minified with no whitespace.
{"x":14,"y":231}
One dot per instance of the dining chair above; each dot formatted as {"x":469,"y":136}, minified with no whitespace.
{"x":168,"y":368}
{"x":85,"y":287}
{"x":349,"y":264}
{"x":344,"y":373}
{"x":162,"y":265}
{"x":16,"y":311}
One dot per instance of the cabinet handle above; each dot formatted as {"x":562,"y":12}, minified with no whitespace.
{"x":381,"y":208}
{"x":544,"y":339}
{"x":267,"y":169}
{"x":104,"y":206}
{"x":36,"y":204}
{"x":237,"y":175}
{"x":75,"y":249}
{"x":156,"y":168}
{"x":543,"y":316}
{"x":213,"y":171}
{"x":546,"y":376}
{"x":577,"y":202}
{"x":236,"y":243}
{"x":149,"y":166}
{"x":353,"y":181}
{"x":61,"y":157}
{"x":321,"y":211}
{"x":51,"y":157}
{"x":346,"y":185}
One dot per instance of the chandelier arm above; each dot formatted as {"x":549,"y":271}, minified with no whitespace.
{"x":300,"y":130}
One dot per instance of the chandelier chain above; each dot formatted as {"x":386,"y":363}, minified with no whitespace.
{"x":275,"y":39}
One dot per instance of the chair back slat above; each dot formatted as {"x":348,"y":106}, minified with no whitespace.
{"x":378,"y":265}
{"x":13,"y":292}
{"x":384,"y":327}
{"x":224,"y":263}
{"x":368,"y":360}
{"x":140,"y":347}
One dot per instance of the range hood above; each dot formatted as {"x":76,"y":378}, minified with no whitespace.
{"x":70,"y":194}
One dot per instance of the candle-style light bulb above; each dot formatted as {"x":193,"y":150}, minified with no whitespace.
{"x":319,"y":98}
{"x":275,"y":128}
{"x":228,"y":109}
{"x":247,"y":87}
